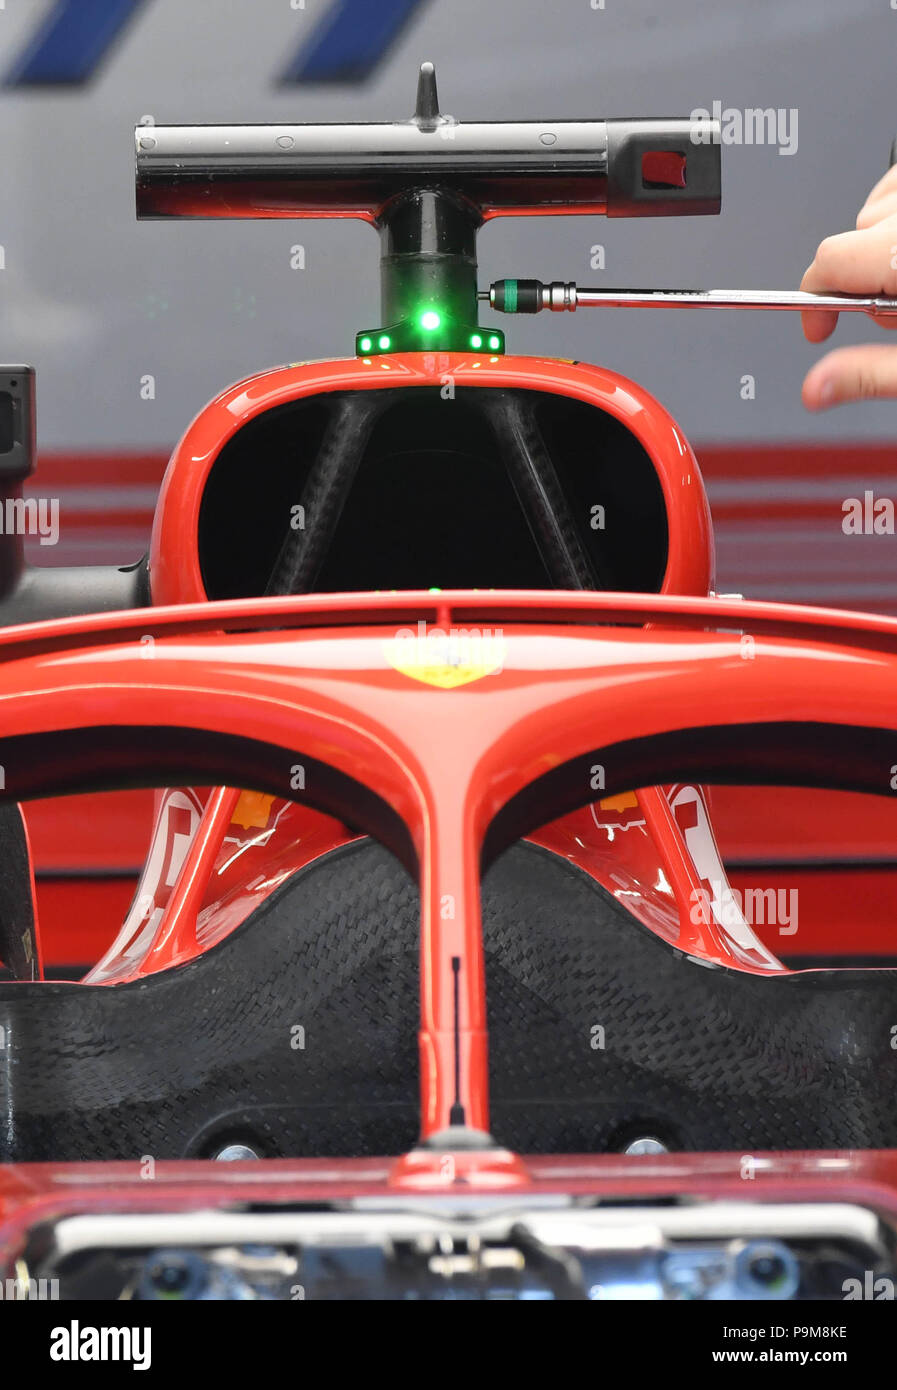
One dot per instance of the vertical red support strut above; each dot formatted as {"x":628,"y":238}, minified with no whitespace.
{"x":453,"y":1040}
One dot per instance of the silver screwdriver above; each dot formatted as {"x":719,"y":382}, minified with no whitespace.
{"x":531,"y":296}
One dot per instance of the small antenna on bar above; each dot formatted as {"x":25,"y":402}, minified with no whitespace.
{"x":426,"y":111}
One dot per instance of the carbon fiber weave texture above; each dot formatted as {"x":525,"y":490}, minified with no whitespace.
{"x":209,"y":1053}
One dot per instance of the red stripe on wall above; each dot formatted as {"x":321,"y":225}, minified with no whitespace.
{"x":796,"y":460}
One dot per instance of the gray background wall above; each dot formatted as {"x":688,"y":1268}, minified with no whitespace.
{"x":95,"y":299}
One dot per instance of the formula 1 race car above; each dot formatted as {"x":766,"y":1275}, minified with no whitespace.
{"x":426,"y":664}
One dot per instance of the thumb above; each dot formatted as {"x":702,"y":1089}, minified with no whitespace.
{"x":864,"y":373}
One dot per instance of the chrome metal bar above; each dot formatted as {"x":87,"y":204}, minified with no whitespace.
{"x":800,"y":300}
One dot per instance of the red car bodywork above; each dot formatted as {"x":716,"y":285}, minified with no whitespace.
{"x":176,"y":577}
{"x":318,"y":675}
{"x":174,"y":566}
{"x":579,"y":673}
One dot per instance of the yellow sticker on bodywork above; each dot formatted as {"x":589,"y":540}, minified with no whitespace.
{"x":252,"y":810}
{"x":446,"y":659}
{"x":623,"y":802}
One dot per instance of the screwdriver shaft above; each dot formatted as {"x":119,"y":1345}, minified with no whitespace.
{"x":530,"y":296}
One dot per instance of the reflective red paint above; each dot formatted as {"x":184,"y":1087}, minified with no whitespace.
{"x":573,"y":680}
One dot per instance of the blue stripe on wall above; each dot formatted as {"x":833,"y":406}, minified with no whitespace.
{"x":351,"y":40}
{"x":72,"y":42}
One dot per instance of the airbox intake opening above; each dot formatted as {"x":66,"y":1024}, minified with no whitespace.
{"x":432,"y":503}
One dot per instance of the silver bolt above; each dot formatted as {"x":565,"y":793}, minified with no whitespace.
{"x":232,"y":1153}
{"x":646,"y":1146}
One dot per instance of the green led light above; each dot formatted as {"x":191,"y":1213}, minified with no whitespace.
{"x":476,"y":341}
{"x":365,"y":344}
{"x":384,"y":342}
{"x":495,"y":342}
{"x":430,"y":319}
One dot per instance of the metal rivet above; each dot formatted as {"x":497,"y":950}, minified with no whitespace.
{"x":646,"y":1146}
{"x":233,"y":1153}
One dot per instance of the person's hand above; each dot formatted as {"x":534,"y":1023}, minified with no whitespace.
{"x":860,"y":262}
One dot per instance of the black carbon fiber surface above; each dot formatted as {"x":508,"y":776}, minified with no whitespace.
{"x":18,"y":943}
{"x":209,"y":1052}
